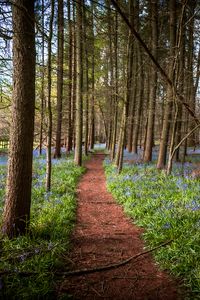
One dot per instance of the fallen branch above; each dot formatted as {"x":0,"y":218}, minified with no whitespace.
{"x":93,"y":270}
{"x":112,"y":266}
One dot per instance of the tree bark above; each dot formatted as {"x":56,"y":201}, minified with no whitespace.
{"x":139,"y":102}
{"x":92,"y":124}
{"x":42,"y":88}
{"x":70,"y":86}
{"x":49,"y":110}
{"x":170,"y":94}
{"x":190,"y":68}
{"x":16,"y":214}
{"x":132,"y":72}
{"x":59,"y":78}
{"x":79,"y":85}
{"x":153,"y":85}
{"x":112,"y":156}
{"x":85,"y":45}
{"x":74,"y":79}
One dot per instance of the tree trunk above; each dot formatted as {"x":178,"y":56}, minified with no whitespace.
{"x":86,"y":84}
{"x":74,"y":79}
{"x":49,"y":111}
{"x":92,"y":124}
{"x":70,"y":73}
{"x":42,"y":88}
{"x":132,"y":72}
{"x":181,"y":80}
{"x":16,"y":214}
{"x":139,"y":102}
{"x":59,"y":78}
{"x":153,"y":86}
{"x":79,"y":85}
{"x":116,"y":91}
{"x":168,"y":109}
{"x":190,"y":67}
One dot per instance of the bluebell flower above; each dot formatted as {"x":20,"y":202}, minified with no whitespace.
{"x":47,"y":195}
{"x":58,"y":201}
{"x":167,"y":225}
{"x":181,"y":184}
{"x":196,"y":208}
{"x":23,"y":257}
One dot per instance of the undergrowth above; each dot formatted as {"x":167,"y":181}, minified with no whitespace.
{"x":167,"y":207}
{"x":41,"y":251}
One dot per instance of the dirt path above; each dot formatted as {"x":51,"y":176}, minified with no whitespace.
{"x":103,"y":235}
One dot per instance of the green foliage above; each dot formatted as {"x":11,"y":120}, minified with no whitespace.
{"x":41,"y":251}
{"x":167,"y":208}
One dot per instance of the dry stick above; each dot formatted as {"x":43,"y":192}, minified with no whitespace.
{"x":157,"y":65}
{"x":93,"y":270}
{"x":183,"y":139}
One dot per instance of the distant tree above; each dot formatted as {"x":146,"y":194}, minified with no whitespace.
{"x":74,"y":78}
{"x":153,"y":86}
{"x":191,"y":95}
{"x":162,"y":157}
{"x":110,"y":74}
{"x":86,"y":59}
{"x":49,"y":109}
{"x":70,"y":75}
{"x":59,"y":78}
{"x":16,"y":214}
{"x":116,"y":90}
{"x":79,"y":83}
{"x":92,"y":112}
{"x":42,"y":95}
{"x":140,"y":99}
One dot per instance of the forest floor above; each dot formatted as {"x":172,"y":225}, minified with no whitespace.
{"x":104,"y":235}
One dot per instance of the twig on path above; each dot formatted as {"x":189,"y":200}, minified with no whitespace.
{"x":111,"y":266}
{"x":93,"y":270}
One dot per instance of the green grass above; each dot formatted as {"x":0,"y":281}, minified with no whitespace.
{"x":167,"y":208}
{"x":52,"y":220}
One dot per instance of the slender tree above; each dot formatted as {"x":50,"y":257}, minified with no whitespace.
{"x":42,"y":87}
{"x":92,"y":116}
{"x":49,"y":110}
{"x":133,"y":72}
{"x":86,"y":52}
{"x":153,"y":86}
{"x":190,"y":70}
{"x":79,"y":84}
{"x":74,"y":78}
{"x":59,"y":78}
{"x":70,"y":74}
{"x":18,"y":191}
{"x":114,"y":137}
{"x":139,"y":103}
{"x":110,"y":76}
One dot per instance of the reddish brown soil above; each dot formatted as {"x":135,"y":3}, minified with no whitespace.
{"x":104,"y":235}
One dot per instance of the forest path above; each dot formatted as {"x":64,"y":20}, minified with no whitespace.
{"x":104,"y":235}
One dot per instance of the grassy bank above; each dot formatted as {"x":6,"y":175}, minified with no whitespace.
{"x":167,"y":208}
{"x":52,"y":220}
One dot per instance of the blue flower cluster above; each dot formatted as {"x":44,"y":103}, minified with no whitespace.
{"x":133,"y":178}
{"x":181,"y":184}
{"x":194,"y":205}
{"x":167,"y":225}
